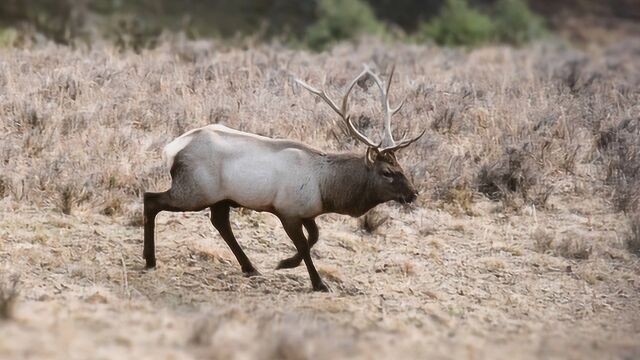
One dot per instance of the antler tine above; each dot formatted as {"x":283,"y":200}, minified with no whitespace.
{"x":387,"y":144}
{"x":343,"y":111}
{"x":394,"y":111}
{"x":322,"y":94}
{"x":347,"y":118}
{"x":351,"y":85}
{"x":358,"y":135}
{"x":379,"y":82}
{"x":393,"y":69}
{"x":387,"y":137}
{"x":403,"y":143}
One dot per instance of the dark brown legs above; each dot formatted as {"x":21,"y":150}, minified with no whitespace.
{"x":293,"y":227}
{"x":153,"y":204}
{"x":220,"y":220}
{"x":156,"y":202}
{"x":295,"y":260}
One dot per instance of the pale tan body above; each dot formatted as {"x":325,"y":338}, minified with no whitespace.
{"x":254,"y":171}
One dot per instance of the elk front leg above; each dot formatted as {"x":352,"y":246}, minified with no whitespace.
{"x":293,"y":228}
{"x":295,"y":260}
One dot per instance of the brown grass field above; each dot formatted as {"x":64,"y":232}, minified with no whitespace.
{"x":524,"y":243}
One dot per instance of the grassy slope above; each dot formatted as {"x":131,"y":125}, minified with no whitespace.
{"x":458,"y":275}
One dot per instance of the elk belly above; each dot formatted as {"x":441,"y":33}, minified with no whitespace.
{"x":250,"y":181}
{"x":299,"y":197}
{"x":276,"y":181}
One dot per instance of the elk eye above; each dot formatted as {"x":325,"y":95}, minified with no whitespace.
{"x":387,"y":174}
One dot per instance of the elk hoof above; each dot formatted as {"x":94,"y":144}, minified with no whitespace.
{"x":321,"y":287}
{"x":288,"y":263}
{"x":251,"y":273}
{"x":151,"y":264}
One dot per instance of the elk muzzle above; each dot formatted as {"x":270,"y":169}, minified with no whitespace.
{"x":409,"y":198}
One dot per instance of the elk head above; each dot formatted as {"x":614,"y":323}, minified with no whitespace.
{"x":386,"y":176}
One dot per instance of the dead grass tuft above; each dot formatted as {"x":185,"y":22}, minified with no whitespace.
{"x":67,"y":199}
{"x":633,"y":238}
{"x":3,"y":187}
{"x":514,"y":174}
{"x":136,"y":221}
{"x":542,"y":240}
{"x":493,"y":264}
{"x":620,"y":143}
{"x":331,"y":273}
{"x":573,"y":246}
{"x":458,"y":195}
{"x":570,"y":245}
{"x":114,"y":205}
{"x":372,"y":220}
{"x":9,"y":291}
{"x":408,"y":268}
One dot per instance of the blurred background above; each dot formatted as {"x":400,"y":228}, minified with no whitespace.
{"x":314,"y":24}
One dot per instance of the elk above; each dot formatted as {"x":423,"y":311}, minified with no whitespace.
{"x":218,"y":167}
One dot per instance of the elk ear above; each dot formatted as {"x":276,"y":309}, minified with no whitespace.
{"x":371,"y":156}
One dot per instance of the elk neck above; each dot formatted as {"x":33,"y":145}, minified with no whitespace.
{"x":345,"y":184}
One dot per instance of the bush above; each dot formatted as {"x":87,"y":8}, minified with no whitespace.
{"x":372,"y":220}
{"x":515,"y":23}
{"x":457,"y":24}
{"x":8,"y":295}
{"x":341,"y":20}
{"x":514,"y":172}
{"x":620,"y":144}
{"x":8,"y":37}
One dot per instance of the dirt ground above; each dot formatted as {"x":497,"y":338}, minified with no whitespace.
{"x":425,"y":284}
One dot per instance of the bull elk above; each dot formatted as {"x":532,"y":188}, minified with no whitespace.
{"x":218,"y":167}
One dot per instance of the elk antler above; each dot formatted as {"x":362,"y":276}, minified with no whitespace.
{"x":342,"y":111}
{"x":387,"y":144}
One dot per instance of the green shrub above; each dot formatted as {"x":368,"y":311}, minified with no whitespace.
{"x":8,"y":37}
{"x":341,"y":20}
{"x":515,"y":23}
{"x":457,"y":24}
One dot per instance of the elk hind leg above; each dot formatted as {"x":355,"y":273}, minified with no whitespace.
{"x":295,"y":260}
{"x":293,"y":228}
{"x":153,"y":204}
{"x":220,"y":220}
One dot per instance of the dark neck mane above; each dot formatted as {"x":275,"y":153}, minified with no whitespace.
{"x":344,"y":184}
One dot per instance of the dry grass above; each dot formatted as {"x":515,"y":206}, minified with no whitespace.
{"x":506,"y":133}
{"x":574,"y":246}
{"x":570,"y":244}
{"x":372,"y":220}
{"x":620,"y":143}
{"x":542,"y":240}
{"x":515,"y":247}
{"x":233,"y":335}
